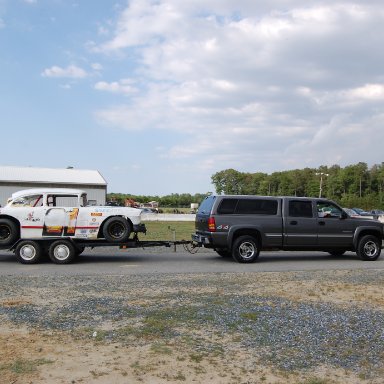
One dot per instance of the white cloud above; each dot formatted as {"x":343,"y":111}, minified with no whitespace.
{"x":367,"y":92}
{"x":72,"y":71}
{"x":124,"y":86}
{"x":262,"y":86}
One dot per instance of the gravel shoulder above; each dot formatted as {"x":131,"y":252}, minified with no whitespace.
{"x":293,"y":327}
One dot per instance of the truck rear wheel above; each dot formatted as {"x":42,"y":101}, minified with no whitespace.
{"x":28,"y":252}
{"x":62,"y":252}
{"x":245,"y":249}
{"x":369,"y":248}
{"x":116,"y":229}
{"x":9,"y":232}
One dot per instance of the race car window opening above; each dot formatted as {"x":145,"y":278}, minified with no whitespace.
{"x":28,"y":201}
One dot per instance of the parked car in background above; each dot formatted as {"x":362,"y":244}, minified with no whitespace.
{"x":361,"y":212}
{"x":378,"y":214}
{"x":148,"y":210}
{"x":351,"y":213}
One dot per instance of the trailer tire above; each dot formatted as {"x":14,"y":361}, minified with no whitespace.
{"x":28,"y":252}
{"x":116,"y":230}
{"x":9,"y":232}
{"x":62,"y":252}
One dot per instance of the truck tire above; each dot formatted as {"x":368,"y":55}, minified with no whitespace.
{"x":245,"y":249}
{"x":369,"y":248}
{"x":116,"y":230}
{"x":9,"y":232}
{"x":62,"y":252}
{"x":28,"y":252}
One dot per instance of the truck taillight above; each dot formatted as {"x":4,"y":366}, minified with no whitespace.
{"x":211,"y":224}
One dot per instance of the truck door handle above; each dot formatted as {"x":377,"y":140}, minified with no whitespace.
{"x":294,"y":222}
{"x":321,"y":222}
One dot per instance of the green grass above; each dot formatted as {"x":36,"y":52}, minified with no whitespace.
{"x":22,"y":366}
{"x":166,"y":230}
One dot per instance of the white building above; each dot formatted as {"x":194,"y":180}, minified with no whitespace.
{"x":14,"y":179}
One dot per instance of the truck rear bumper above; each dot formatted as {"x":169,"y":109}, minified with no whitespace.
{"x":201,"y":240}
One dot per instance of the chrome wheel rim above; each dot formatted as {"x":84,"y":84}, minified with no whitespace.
{"x":61,"y":252}
{"x":247,"y":250}
{"x":370,"y":249}
{"x":27,"y":252}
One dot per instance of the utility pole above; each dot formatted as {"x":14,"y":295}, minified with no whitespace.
{"x":321,"y":181}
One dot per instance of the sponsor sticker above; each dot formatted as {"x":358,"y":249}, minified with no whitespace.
{"x":54,"y":229}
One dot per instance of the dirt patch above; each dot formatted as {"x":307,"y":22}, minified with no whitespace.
{"x":164,"y":348}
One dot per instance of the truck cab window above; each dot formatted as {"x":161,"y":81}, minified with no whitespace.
{"x":298,"y":208}
{"x":328,"y":210}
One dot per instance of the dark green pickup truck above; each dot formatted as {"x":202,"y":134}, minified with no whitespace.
{"x":241,"y":226}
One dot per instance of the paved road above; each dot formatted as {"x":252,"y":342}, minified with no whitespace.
{"x":113,"y":261}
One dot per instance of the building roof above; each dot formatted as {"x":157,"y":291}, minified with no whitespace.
{"x":51,"y":175}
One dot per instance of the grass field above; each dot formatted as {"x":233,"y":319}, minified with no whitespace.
{"x":168,"y":230}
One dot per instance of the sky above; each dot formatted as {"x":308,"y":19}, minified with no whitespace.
{"x":159,"y":95}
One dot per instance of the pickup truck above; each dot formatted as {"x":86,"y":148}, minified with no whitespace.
{"x":241,"y":226}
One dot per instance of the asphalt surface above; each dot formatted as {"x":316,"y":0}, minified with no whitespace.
{"x":160,"y":260}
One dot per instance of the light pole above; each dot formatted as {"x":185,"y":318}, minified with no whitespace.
{"x":321,"y":181}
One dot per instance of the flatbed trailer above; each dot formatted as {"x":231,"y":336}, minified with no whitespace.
{"x":63,"y":250}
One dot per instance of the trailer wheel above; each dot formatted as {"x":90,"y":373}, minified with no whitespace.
{"x":62,"y":252}
{"x":9,"y":232}
{"x":116,"y":229}
{"x":245,"y":249}
{"x":28,"y":252}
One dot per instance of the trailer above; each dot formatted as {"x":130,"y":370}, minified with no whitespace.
{"x":64,"y":250}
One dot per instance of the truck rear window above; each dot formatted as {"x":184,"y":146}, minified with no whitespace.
{"x":248,"y":206}
{"x":206,"y":206}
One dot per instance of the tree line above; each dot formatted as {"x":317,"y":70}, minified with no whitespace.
{"x":352,"y":186}
{"x":174,"y":200}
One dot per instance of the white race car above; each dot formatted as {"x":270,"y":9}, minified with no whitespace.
{"x":60,"y":212}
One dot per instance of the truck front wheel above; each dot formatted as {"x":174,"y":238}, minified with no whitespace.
{"x":245,"y":249}
{"x":369,"y":248}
